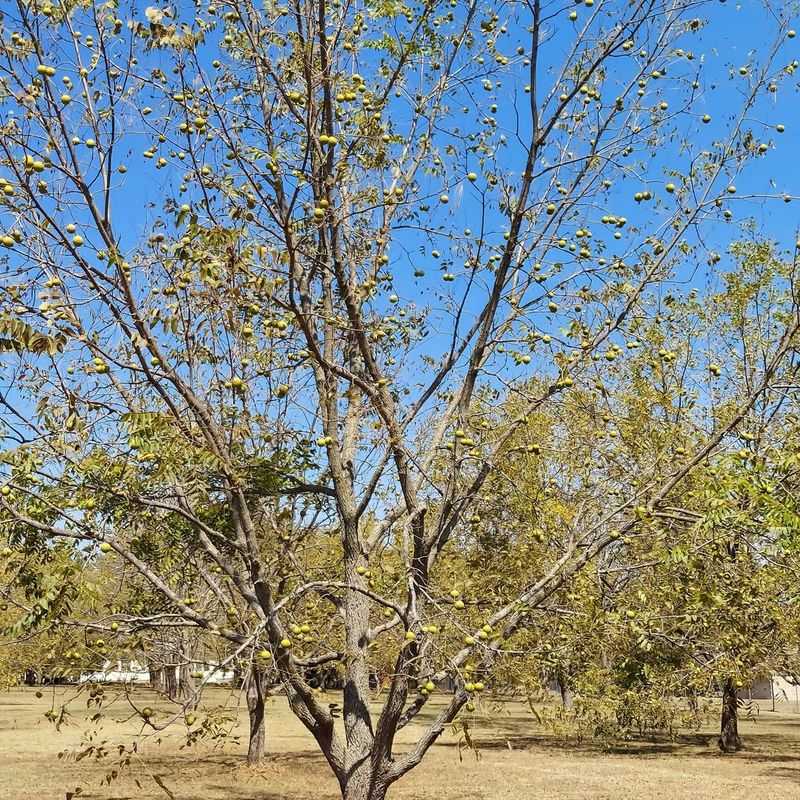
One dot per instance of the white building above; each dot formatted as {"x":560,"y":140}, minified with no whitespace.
{"x":133,"y":672}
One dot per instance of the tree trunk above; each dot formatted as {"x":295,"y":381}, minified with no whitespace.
{"x":566,"y":693}
{"x":256,"y":708}
{"x":362,"y":786}
{"x":156,"y":678}
{"x":186,"y":686}
{"x":171,"y":686}
{"x":729,"y":741}
{"x":359,"y":734}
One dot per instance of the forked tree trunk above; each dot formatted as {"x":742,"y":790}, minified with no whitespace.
{"x":729,"y":741}
{"x":256,"y":693}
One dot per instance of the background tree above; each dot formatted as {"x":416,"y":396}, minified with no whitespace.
{"x":45,"y":595}
{"x":696,"y":600}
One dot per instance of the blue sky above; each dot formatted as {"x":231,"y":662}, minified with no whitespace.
{"x":735,"y":36}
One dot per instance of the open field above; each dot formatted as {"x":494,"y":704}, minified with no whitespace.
{"x":518,"y":759}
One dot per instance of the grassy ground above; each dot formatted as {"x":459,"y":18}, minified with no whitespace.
{"x":517,"y":760}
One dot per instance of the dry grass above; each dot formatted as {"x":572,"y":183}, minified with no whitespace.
{"x":517,"y":760}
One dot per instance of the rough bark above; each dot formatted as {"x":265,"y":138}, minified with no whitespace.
{"x":364,"y":784}
{"x":729,"y":740}
{"x":358,"y":769}
{"x":256,"y":694}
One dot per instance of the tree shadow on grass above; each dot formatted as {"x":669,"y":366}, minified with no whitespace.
{"x":786,"y":773}
{"x":543,"y":741}
{"x":759,"y":747}
{"x":190,"y":759}
{"x":224,"y":776}
{"x":782,"y":723}
{"x":240,"y":792}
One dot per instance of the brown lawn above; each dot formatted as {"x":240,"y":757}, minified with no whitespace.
{"x":517,"y":759}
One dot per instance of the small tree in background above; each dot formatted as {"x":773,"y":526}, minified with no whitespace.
{"x":696,"y":599}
